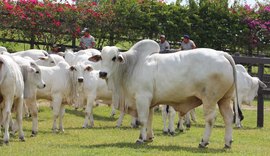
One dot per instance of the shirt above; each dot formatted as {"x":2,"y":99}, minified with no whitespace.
{"x":164,"y":46}
{"x":187,"y":46}
{"x":87,"y":41}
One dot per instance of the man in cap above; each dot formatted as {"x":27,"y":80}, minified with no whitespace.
{"x":163,"y":44}
{"x":87,"y":41}
{"x":187,"y":43}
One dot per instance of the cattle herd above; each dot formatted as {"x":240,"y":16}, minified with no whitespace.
{"x":133,"y":82}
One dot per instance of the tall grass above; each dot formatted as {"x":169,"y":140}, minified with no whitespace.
{"x":105,"y":139}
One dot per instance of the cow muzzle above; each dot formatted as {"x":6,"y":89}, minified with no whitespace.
{"x":80,"y":80}
{"x":103,"y":75}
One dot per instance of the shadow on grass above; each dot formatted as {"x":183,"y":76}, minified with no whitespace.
{"x":147,"y":146}
{"x":81,"y":113}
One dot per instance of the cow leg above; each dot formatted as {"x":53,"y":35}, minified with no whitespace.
{"x":113,"y":111}
{"x":171,"y":121}
{"x":6,"y":118}
{"x":209,"y":115}
{"x":227,"y":114}
{"x":193,"y":115}
{"x":34,"y":114}
{"x":150,"y":133}
{"x":89,"y":112}
{"x":134,"y":122}
{"x":19,"y":117}
{"x":56,"y":104}
{"x":164,"y":118}
{"x":180,"y":124}
{"x":120,"y":119}
{"x":188,"y":123}
{"x":61,"y":116}
{"x":143,"y":105}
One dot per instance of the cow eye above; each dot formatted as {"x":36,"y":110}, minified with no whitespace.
{"x":52,"y":62}
{"x":37,"y":72}
{"x":114,"y":58}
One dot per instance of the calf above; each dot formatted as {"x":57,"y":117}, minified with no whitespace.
{"x":247,"y":88}
{"x":89,"y":88}
{"x":58,"y":88}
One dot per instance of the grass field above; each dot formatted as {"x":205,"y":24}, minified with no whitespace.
{"x":105,"y":139}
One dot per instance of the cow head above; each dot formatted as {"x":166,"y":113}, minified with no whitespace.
{"x":110,"y":58}
{"x":78,"y":72}
{"x":34,"y":75}
{"x":46,"y":61}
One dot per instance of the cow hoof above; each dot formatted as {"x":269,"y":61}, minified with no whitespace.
{"x":22,"y":138}
{"x":203,"y":144}
{"x":34,"y":133}
{"x":172,"y":133}
{"x":149,"y":140}
{"x":188,"y":126}
{"x":6,"y":142}
{"x":165,"y":132}
{"x":139,"y":142}
{"x":227,"y":147}
{"x":181,"y":130}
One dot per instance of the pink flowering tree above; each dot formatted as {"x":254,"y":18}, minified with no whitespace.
{"x":47,"y":22}
{"x":258,"y":21}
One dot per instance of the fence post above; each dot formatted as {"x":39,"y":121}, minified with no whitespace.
{"x":73,"y":42}
{"x":260,"y":102}
{"x":32,"y":42}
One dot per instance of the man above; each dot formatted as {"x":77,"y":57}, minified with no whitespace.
{"x":187,"y":44}
{"x":54,"y":49}
{"x":163,"y":44}
{"x":87,"y":41}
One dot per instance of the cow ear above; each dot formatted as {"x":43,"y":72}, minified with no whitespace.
{"x":120,"y":59}
{"x":95,"y":58}
{"x":72,"y":68}
{"x":43,"y":58}
{"x":89,"y":68}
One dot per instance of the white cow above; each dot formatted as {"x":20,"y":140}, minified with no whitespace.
{"x":50,"y":60}
{"x":35,"y":54}
{"x":58,"y":88}
{"x":32,"y":80}
{"x":247,"y":88}
{"x":82,"y":56}
{"x":89,"y":88}
{"x":142,"y":78}
{"x":11,"y":93}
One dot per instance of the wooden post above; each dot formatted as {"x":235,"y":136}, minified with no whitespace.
{"x":32,"y":42}
{"x":260,"y":102}
{"x":73,"y":42}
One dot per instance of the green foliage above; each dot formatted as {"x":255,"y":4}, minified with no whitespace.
{"x":210,"y":23}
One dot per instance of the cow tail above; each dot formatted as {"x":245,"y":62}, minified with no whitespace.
{"x":237,"y":110}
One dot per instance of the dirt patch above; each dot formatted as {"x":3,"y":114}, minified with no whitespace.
{"x":253,"y":107}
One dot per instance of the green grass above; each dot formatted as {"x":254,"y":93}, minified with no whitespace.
{"x":105,"y":139}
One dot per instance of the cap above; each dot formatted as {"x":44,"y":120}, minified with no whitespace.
{"x":163,"y":36}
{"x":54,"y":45}
{"x":85,"y":30}
{"x":186,"y":36}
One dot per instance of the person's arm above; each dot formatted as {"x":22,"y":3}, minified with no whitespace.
{"x":193,"y":45}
